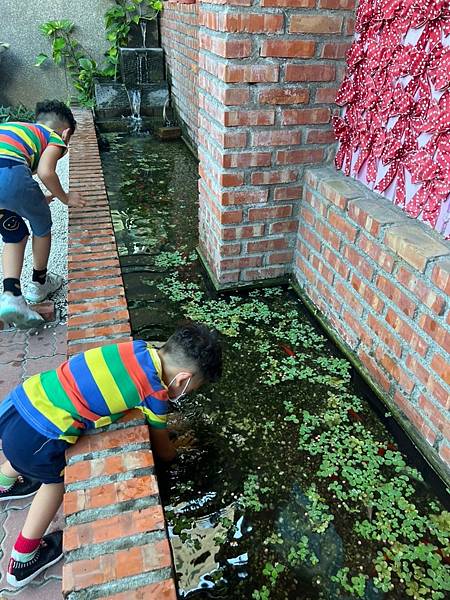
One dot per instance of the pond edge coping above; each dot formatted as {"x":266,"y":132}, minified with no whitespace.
{"x":115,"y":540}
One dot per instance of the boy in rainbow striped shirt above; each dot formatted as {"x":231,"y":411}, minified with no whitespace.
{"x":25,"y":149}
{"x":49,"y":411}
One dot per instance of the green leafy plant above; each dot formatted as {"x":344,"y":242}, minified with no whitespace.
{"x":172,"y":259}
{"x":301,"y":553}
{"x":68,"y":52}
{"x":318,"y":511}
{"x":16,"y":113}
{"x":355,"y":584}
{"x":272,"y":572}
{"x":118,"y":22}
{"x":252,"y":491}
{"x":370,"y":478}
{"x":262,"y":594}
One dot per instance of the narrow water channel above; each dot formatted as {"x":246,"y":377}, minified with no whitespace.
{"x":289,"y":486}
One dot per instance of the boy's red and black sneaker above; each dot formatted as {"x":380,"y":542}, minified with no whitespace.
{"x":23,"y":487}
{"x":49,"y":552}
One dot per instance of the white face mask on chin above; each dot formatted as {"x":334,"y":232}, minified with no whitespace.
{"x":183,"y":393}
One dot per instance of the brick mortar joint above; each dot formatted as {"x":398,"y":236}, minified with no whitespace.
{"x":125,"y":584}
{"x":96,"y":481}
{"x":398,"y":261}
{"x":90,"y":515}
{"x":95,"y":549}
{"x":325,"y":282}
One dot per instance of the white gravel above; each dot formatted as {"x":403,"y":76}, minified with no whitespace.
{"x":58,"y":256}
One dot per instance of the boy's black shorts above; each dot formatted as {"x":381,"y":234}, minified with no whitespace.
{"x":29,"y":452}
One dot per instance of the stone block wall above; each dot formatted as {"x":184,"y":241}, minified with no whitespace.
{"x":179,"y":36}
{"x":115,"y":541}
{"x":269,"y":70}
{"x":382,"y":281}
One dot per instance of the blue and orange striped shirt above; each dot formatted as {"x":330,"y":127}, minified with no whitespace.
{"x":25,"y":142}
{"x":94,"y":389}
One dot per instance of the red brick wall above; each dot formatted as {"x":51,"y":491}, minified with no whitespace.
{"x":382,"y":280}
{"x":268,"y":74}
{"x":179,"y":34}
{"x":114,"y":541}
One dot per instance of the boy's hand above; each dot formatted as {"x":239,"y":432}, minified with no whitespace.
{"x":75,"y":199}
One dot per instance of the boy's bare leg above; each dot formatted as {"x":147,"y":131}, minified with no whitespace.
{"x":42,"y":510}
{"x":12,"y":259}
{"x":6,"y":469}
{"x":41,"y":251}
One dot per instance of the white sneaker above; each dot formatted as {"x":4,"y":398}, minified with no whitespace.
{"x":37,"y":292}
{"x":14,"y":309}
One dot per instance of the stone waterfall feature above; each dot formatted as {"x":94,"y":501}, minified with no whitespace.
{"x":143,"y":91}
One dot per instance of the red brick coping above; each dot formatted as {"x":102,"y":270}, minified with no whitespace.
{"x":115,"y":541}
{"x":382,"y":282}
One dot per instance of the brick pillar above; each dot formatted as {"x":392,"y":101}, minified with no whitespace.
{"x":268,"y":73}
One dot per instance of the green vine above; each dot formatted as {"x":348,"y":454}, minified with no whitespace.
{"x":118,"y":22}
{"x":68,"y":52}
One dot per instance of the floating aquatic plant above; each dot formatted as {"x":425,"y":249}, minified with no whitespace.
{"x":361,"y":474}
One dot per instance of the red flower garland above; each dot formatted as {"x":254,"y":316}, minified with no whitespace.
{"x":396,"y":94}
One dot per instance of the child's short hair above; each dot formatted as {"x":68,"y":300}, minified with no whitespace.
{"x":200,"y":347}
{"x":58,"y":108}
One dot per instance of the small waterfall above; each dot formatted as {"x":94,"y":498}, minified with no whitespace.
{"x":143,"y":26}
{"x":139,"y":69}
{"x":134,"y":97}
{"x":142,"y":67}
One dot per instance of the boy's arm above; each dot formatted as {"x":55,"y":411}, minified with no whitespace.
{"x":161,"y":444}
{"x":47,"y":174}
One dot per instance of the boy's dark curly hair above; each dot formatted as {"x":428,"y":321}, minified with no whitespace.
{"x":61,"y":110}
{"x":201,"y":346}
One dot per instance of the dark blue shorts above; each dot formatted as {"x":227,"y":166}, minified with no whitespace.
{"x":29,"y":452}
{"x":21,"y":195}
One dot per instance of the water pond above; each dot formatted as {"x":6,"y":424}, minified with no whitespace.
{"x":289,"y":486}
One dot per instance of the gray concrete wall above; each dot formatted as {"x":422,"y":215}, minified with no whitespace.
{"x":20,"y":80}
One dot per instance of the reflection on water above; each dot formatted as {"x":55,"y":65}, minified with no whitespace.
{"x":196,"y":547}
{"x":290,"y":488}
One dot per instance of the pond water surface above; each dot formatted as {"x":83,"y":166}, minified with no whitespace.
{"x":289,"y":486}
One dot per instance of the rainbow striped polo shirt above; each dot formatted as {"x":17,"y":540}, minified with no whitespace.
{"x":94,"y":389}
{"x":25,"y":142}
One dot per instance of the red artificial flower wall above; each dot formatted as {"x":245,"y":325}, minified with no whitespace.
{"x":395,"y":132}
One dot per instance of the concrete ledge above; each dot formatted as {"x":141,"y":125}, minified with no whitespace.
{"x":115,"y":542}
{"x":380,"y":282}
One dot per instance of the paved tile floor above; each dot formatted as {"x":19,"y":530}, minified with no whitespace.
{"x":23,"y":354}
